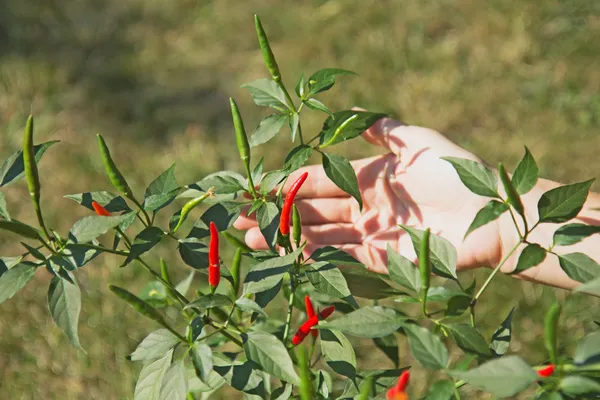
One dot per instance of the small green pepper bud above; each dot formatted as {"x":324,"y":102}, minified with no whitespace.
{"x":270,"y":61}
{"x":551,"y":330}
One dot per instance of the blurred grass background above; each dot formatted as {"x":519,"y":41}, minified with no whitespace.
{"x":154,"y":78}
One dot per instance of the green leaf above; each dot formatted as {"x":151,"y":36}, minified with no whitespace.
{"x":269,"y":273}
{"x":324,"y":79}
{"x":591,"y":287}
{"x":389,"y":346}
{"x":469,"y":339}
{"x":89,"y":228}
{"x":315,"y":104}
{"x":249,"y":305}
{"x":15,"y":279}
{"x":403,"y":271}
{"x":64,"y":301}
{"x":6,"y":263}
{"x":339,"y":170}
{"x":574,"y":385}
{"x":368,"y":322}
{"x":19,"y":228}
{"x":362,"y":121}
{"x":257,"y":172}
{"x":588,"y":349}
{"x":13,"y":168}
{"x":367,"y":284}
{"x":150,"y":379}
{"x":501,"y":337}
{"x":328,"y":279}
{"x":144,"y":241}
{"x":223,"y":214}
{"x":183,"y":286}
{"x":570,"y":234}
{"x":503,"y":377}
{"x":267,"y":217}
{"x":174,"y":382}
{"x":563,"y":203}
{"x":267,"y":129}
{"x":299,"y":89}
{"x":531,"y":256}
{"x":475,"y":176}
{"x":294,"y":123}
{"x":441,"y":390}
{"x":579,"y":266}
{"x":241,"y":376}
{"x":209,"y":301}
{"x":224,"y":182}
{"x":155,"y":345}
{"x":3,"y":210}
{"x":334,"y":256}
{"x":297,"y":157}
{"x":193,"y":252}
{"x":427,"y":348}
{"x":267,"y":93}
{"x":110,"y":201}
{"x":490,"y":212}
{"x":271,"y":355}
{"x":138,"y":304}
{"x":282,"y":393}
{"x":457,"y":305}
{"x":201,"y":355}
{"x":161,"y":191}
{"x":338,"y":353}
{"x":270,"y":181}
{"x":443,"y":254}
{"x":525,"y":175}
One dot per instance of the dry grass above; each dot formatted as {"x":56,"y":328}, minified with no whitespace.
{"x":154,"y":77}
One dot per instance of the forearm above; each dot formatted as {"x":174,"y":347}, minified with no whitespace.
{"x":549,"y":271}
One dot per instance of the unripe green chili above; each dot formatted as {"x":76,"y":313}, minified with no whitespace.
{"x":339,"y":130}
{"x":190,"y":205}
{"x":306,"y":387}
{"x":551,"y":330}
{"x":142,"y":307}
{"x":164,"y":272}
{"x":236,"y":242}
{"x":270,"y":61}
{"x":425,"y":268}
{"x":116,"y":178}
{"x":241,"y":140}
{"x":236,"y":270}
{"x":511,"y":193}
{"x":32,"y":175}
{"x":296,"y":225}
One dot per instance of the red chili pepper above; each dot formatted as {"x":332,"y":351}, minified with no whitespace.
{"x":286,"y":210}
{"x":306,"y":327}
{"x":546,"y":371}
{"x":214,"y":272}
{"x":310,"y":311}
{"x":103,"y":212}
{"x":398,"y":391}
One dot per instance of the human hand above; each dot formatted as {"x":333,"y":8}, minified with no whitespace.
{"x":411,"y":185}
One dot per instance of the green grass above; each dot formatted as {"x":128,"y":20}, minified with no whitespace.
{"x":154,"y":78}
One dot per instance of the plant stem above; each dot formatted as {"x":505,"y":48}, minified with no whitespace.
{"x":106,"y":249}
{"x":250,"y":181}
{"x":139,"y":205}
{"x":182,"y":299}
{"x":228,"y":335}
{"x":512,"y":215}
{"x":493,"y":274}
{"x":290,"y":310}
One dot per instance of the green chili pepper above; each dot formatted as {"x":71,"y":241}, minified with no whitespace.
{"x":236,"y":242}
{"x":511,"y":193}
{"x":31,"y":171}
{"x":164,"y":272}
{"x":339,"y":130}
{"x":368,"y":389}
{"x":425,"y":268}
{"x":296,"y":225}
{"x":142,"y":307}
{"x":116,"y":178}
{"x":236,"y":270}
{"x":242,"y":142}
{"x":306,"y":389}
{"x":190,"y":205}
{"x":32,"y":175}
{"x":266,"y":50}
{"x":551,"y":330}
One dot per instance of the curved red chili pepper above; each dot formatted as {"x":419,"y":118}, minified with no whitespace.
{"x":103,"y":212}
{"x":286,"y":210}
{"x":398,"y":391}
{"x":546,"y":371}
{"x":214,"y":272}
{"x":310,"y":311}
{"x":306,"y":327}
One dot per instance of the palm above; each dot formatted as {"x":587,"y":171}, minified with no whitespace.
{"x":412,"y":186}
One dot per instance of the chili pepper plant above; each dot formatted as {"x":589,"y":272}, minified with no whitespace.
{"x":218,"y":333}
